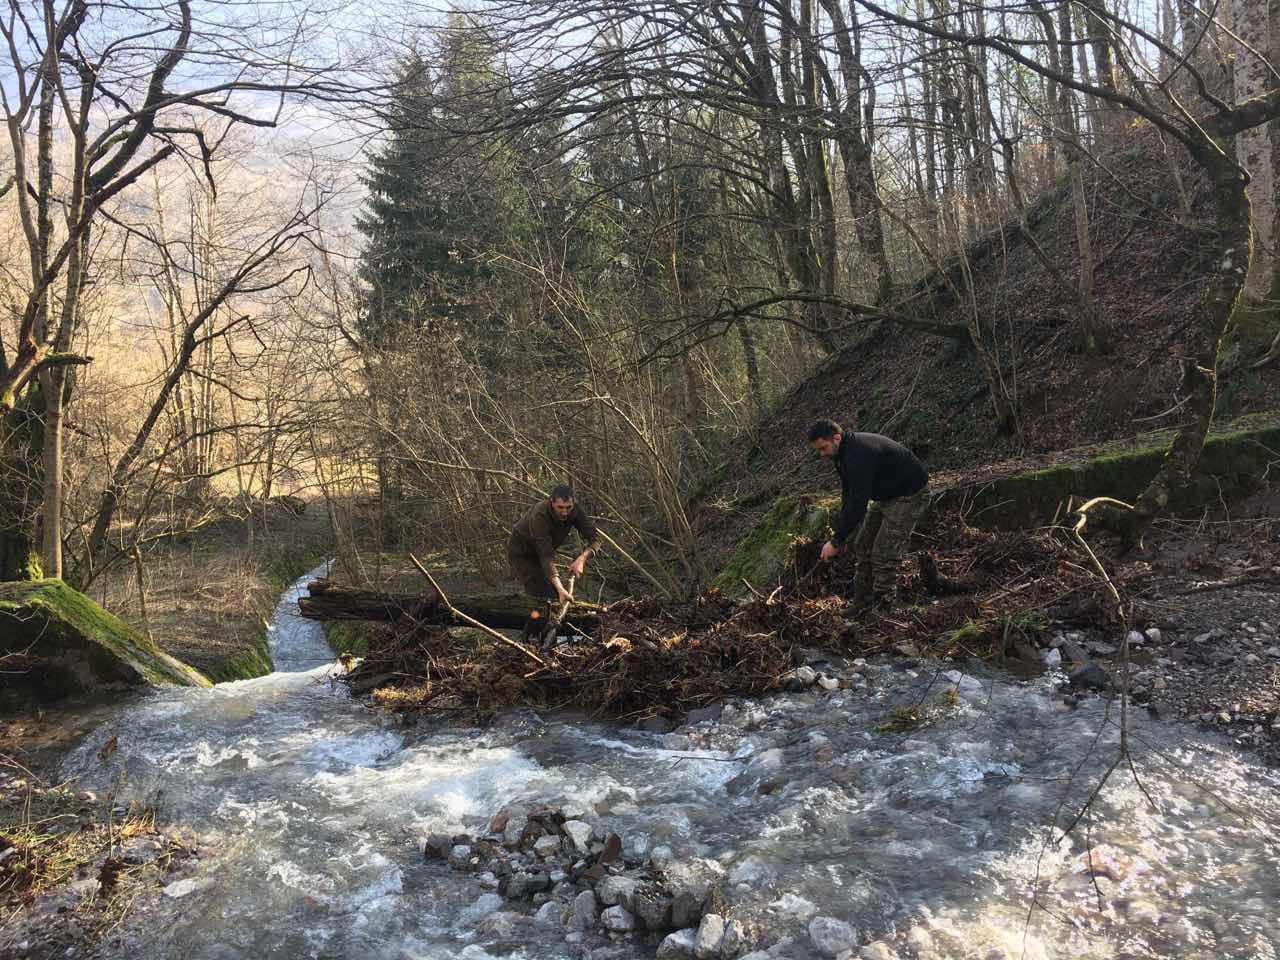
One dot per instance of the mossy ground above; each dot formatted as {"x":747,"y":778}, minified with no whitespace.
{"x":761,"y":557}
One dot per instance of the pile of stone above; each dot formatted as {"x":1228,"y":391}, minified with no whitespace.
{"x":577,"y":877}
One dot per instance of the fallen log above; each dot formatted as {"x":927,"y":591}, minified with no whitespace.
{"x":330,"y":601}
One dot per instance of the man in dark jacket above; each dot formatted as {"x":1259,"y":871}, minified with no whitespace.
{"x":531,"y":549}
{"x":878,"y":470}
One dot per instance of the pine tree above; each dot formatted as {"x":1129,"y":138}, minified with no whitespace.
{"x":411,"y":263}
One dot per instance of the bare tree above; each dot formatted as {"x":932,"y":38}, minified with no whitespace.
{"x":97,"y":101}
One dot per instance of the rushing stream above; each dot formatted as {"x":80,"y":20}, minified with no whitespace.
{"x":940,"y":838}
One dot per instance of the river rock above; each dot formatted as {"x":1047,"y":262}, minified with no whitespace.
{"x":579,"y":835}
{"x":800,"y":678}
{"x":182,"y":888}
{"x":486,"y":904}
{"x":651,"y":906}
{"x":735,"y":939}
{"x":1089,"y":676}
{"x":1154,"y":635}
{"x":829,"y":684}
{"x":436,"y":846}
{"x":548,"y":846}
{"x":585,"y":911}
{"x":965,"y":685}
{"x":550,"y":915}
{"x":522,"y":884}
{"x":689,"y":883}
{"x":141,"y":849}
{"x":500,"y":926}
{"x":752,"y":871}
{"x":460,"y":855}
{"x":1053,"y":658}
{"x":710,"y":937}
{"x":618,"y":920}
{"x":701,"y":714}
{"x":613,"y":890}
{"x":678,"y":945}
{"x":832,"y":937}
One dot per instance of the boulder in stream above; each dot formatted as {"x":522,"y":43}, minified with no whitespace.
{"x":67,"y":644}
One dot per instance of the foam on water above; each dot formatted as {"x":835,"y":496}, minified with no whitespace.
{"x":313,"y":804}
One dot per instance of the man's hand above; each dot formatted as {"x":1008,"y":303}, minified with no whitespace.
{"x":564,"y":595}
{"x":830,"y":551}
{"x":579,"y":566}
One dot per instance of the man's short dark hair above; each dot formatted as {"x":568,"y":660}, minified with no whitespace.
{"x":563,"y":492}
{"x":824,"y":430}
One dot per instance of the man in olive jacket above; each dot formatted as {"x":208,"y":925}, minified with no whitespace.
{"x":531,"y":549}
{"x":884,"y":491}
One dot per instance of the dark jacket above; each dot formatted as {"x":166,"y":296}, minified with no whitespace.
{"x":873,"y":467}
{"x":539,"y":533}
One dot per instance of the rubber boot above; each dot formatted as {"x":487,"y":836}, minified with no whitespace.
{"x":864,"y":589}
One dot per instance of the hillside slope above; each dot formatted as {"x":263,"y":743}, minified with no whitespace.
{"x":928,"y":392}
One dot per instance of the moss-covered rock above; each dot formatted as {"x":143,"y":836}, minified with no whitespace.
{"x":253,"y":661}
{"x":762,"y":556}
{"x":1234,"y":460}
{"x":349,"y":636}
{"x":65,"y":643}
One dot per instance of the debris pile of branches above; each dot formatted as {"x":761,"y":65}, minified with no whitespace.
{"x":645,"y":658}
{"x":982,"y":596}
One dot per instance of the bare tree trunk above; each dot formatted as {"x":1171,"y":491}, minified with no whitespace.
{"x":1222,"y":291}
{"x":1253,"y":76}
{"x":1110,"y":115}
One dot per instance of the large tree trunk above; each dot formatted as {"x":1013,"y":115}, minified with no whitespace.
{"x":20,"y":482}
{"x":329,"y":601}
{"x":1221,"y":293}
{"x":1254,"y":147}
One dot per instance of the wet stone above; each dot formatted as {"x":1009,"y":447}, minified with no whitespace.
{"x":677,"y":946}
{"x":614,"y":890}
{"x":585,"y":911}
{"x":832,"y":937}
{"x":735,"y":939}
{"x":1090,"y":676}
{"x":578,"y":834}
{"x":436,"y":847}
{"x":548,"y":846}
{"x":710,"y":937}
{"x":500,"y":926}
{"x":712,"y":712}
{"x":549,"y":915}
{"x":460,"y":855}
{"x":618,"y":919}
{"x":651,"y":906}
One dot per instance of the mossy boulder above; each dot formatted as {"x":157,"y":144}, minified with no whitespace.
{"x":1235,"y":459}
{"x":59,"y":641}
{"x":762,"y":556}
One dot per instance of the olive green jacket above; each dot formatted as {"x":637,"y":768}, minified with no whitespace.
{"x":538,"y":535}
